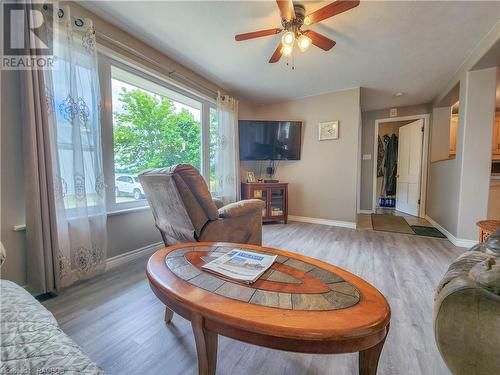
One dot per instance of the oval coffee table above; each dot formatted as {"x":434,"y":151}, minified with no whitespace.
{"x":301,"y":304}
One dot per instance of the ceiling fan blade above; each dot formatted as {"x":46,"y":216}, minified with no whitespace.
{"x":319,"y":40}
{"x":256,"y":34}
{"x":330,"y":10}
{"x":276,"y":55}
{"x":286,"y":9}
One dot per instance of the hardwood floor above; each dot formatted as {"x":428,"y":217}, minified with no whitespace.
{"x":118,"y":321}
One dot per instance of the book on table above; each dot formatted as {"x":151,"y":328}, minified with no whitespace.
{"x":241,"y":265}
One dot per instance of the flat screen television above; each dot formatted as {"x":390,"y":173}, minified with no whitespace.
{"x":270,"y":140}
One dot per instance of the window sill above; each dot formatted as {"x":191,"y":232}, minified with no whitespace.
{"x":22,"y":227}
{"x":127,"y":210}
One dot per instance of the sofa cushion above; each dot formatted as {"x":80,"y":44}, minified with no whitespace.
{"x":461,"y":267}
{"x":31,"y":340}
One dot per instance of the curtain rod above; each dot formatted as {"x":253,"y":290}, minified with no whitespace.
{"x":172,"y":73}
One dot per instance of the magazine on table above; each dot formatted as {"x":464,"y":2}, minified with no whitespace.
{"x":241,"y":265}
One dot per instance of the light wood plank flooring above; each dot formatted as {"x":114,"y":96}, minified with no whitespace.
{"x":118,"y":321}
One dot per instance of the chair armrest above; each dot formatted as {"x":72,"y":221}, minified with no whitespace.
{"x":218,"y":202}
{"x":241,"y":208}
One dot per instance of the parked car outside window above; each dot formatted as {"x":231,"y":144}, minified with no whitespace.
{"x":128,"y":185}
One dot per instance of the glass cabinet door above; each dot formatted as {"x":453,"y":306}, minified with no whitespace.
{"x":277,"y":202}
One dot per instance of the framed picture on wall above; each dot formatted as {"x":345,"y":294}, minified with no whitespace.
{"x":328,"y":130}
{"x":250,"y":177}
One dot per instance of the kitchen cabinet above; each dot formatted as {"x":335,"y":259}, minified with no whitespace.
{"x":453,"y":136}
{"x":495,"y":144}
{"x":494,"y":200}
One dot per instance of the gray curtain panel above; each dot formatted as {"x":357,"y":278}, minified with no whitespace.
{"x":41,"y":227}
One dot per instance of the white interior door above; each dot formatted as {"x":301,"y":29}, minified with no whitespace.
{"x":409,"y":167}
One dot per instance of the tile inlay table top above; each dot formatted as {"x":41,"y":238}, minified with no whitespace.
{"x":300,"y":304}
{"x":288,"y":284}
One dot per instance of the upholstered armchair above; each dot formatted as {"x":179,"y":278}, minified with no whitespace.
{"x":184,"y":210}
{"x":467,"y":311}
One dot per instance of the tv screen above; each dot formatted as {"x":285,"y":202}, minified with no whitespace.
{"x":270,"y":140}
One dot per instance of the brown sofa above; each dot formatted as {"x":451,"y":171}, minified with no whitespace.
{"x":467,"y":311}
{"x":185,"y":211}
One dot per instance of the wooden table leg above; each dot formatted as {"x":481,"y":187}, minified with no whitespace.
{"x":206,"y":346}
{"x":368,"y":359}
{"x":169,"y":314}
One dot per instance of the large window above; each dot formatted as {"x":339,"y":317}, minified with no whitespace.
{"x":154,"y":125}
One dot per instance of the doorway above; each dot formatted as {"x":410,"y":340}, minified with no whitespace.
{"x":400,"y":165}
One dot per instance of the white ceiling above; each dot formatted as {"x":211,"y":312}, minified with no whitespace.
{"x":385,"y":47}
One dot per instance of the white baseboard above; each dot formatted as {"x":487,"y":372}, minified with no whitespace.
{"x":365,"y":212}
{"x":459,"y":242}
{"x":129,"y":256}
{"x":313,"y":220}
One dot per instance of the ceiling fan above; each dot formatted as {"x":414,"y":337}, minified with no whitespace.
{"x":292,"y":19}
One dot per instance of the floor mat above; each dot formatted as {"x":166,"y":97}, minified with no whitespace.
{"x":427,"y":231}
{"x":390,"y":223}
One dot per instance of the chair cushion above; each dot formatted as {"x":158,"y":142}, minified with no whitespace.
{"x":198,"y":187}
{"x":242,"y":208}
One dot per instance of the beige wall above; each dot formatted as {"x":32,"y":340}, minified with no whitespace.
{"x":479,"y":115}
{"x":367,"y":144}
{"x":323,"y":182}
{"x":131,"y":230}
{"x":443,"y":193}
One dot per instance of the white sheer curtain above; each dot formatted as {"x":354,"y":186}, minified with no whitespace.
{"x":227,"y":154}
{"x":72,"y":98}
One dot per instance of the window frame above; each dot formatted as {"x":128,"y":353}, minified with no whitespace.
{"x":107,"y":60}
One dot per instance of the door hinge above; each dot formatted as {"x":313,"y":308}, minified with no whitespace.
{"x":419,"y":201}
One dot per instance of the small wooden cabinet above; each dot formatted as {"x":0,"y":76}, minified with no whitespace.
{"x":275,"y":195}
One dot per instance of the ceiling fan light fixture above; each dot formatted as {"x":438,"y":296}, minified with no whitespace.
{"x":304,"y":42}
{"x":307,"y":20}
{"x":288,"y":38}
{"x":287,"y":50}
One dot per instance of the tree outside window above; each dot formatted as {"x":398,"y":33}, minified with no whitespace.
{"x":150,"y":131}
